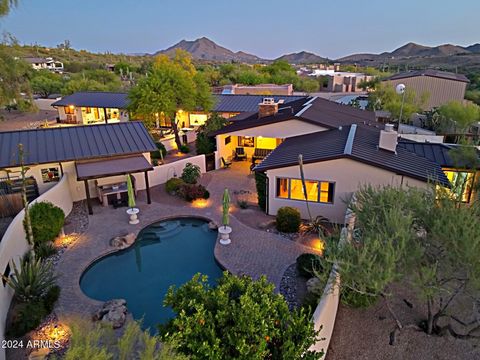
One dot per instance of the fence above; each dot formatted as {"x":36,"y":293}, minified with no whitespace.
{"x":13,"y":243}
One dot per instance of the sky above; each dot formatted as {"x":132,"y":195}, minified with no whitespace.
{"x":266,"y":28}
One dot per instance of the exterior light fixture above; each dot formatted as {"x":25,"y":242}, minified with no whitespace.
{"x":400,"y":90}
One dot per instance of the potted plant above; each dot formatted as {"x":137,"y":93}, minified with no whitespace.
{"x":225,"y":230}
{"x":132,"y":210}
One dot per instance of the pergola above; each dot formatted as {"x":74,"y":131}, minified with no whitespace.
{"x":96,"y":169}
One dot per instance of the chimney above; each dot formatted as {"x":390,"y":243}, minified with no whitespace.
{"x":388,"y":138}
{"x":267,"y":107}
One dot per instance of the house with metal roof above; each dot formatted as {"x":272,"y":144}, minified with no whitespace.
{"x":95,"y":157}
{"x":253,"y":135}
{"x":337,"y":162}
{"x":439,"y":86}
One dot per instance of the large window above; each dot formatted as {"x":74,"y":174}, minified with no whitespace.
{"x":246,"y":141}
{"x":69,"y":110}
{"x":317,"y":191}
{"x":50,"y":175}
{"x":462,"y":184}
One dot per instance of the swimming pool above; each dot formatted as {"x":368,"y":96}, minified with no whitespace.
{"x":166,"y":253}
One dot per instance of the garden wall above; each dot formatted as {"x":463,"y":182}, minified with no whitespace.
{"x":162,"y":173}
{"x":326,"y":311}
{"x":13,"y":243}
{"x":170,"y":144}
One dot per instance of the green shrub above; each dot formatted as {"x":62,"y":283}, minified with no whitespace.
{"x":206,"y":194}
{"x":204,"y":144}
{"x":44,"y":250}
{"x":191,"y":173}
{"x":27,"y":316}
{"x":184,"y":149}
{"x":242,"y":204}
{"x":288,"y":219}
{"x":261,"y":184}
{"x":356,"y":299}
{"x":173,"y":185}
{"x":308,"y":263}
{"x":51,"y":298}
{"x":47,"y":221}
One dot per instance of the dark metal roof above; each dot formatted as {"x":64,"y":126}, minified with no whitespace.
{"x":435,"y":152}
{"x":361,"y":146}
{"x":95,"y":99}
{"x":318,"y":111}
{"x":112,"y":166}
{"x":243,"y":103}
{"x":432,"y":73}
{"x":58,"y":144}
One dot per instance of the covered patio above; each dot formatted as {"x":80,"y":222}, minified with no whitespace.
{"x":126,"y":165}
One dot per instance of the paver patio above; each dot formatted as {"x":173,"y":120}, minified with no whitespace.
{"x":252,"y":252}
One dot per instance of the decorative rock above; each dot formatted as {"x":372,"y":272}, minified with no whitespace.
{"x":312,"y":284}
{"x":113,"y":312}
{"x":122,"y":242}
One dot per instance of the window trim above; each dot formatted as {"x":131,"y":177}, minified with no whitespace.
{"x":333,"y":184}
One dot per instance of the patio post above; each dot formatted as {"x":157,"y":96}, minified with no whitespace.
{"x":105,"y":113}
{"x":147,"y":187}
{"x":89,"y":203}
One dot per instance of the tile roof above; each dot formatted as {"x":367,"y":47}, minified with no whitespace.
{"x":318,"y":111}
{"x":95,"y":99}
{"x":243,"y":103}
{"x":58,"y":144}
{"x":353,"y":142}
{"x":432,"y":73}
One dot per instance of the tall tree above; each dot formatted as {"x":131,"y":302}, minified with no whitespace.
{"x":6,"y":6}
{"x":171,"y":85}
{"x":458,"y":117}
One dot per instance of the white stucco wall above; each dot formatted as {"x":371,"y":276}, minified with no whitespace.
{"x":281,"y":130}
{"x":162,"y":173}
{"x":348,"y":175}
{"x":14,"y":244}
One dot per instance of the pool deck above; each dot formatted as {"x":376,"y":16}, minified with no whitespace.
{"x":252,"y":252}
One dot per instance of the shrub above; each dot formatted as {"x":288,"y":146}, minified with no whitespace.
{"x":288,"y":219}
{"x":261,"y":184}
{"x":51,"y":298}
{"x":32,"y":280}
{"x":307,"y":264}
{"x":191,"y":173}
{"x":261,"y":325}
{"x":47,"y":221}
{"x":44,"y":250}
{"x":173,"y":185}
{"x":192,"y":192}
{"x":184,"y":149}
{"x":27,"y":316}
{"x":204,"y":144}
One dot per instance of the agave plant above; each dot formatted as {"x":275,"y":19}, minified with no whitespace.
{"x":32,"y":280}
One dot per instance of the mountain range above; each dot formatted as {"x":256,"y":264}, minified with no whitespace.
{"x":205,"y":49}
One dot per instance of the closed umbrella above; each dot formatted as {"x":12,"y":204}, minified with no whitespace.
{"x":131,"y":194}
{"x":226,"y":207}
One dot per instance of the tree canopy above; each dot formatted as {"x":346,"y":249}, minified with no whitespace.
{"x":237,"y":319}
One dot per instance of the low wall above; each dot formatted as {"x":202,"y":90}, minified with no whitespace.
{"x":14,"y":243}
{"x":162,"y":173}
{"x":326,"y":311}
{"x":170,"y":144}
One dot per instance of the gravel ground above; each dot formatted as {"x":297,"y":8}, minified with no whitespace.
{"x":293,"y":287}
{"x":365,"y":334}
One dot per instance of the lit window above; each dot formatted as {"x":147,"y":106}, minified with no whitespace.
{"x":69,"y":110}
{"x":297,"y":192}
{"x":246,"y":141}
{"x":462,"y":184}
{"x":326,"y":192}
{"x":282,"y":188}
{"x":50,"y":175}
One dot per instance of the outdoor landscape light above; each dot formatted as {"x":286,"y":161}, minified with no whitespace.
{"x":400,"y":89}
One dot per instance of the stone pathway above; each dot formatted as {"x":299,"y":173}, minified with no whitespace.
{"x":252,"y":252}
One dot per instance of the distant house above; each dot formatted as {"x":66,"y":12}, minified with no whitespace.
{"x":91,"y":155}
{"x":340,"y":81}
{"x":48,"y":63}
{"x":440,"y":86}
{"x":92,"y":107}
{"x":261,"y":89}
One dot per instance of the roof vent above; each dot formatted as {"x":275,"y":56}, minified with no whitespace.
{"x":268,"y":101}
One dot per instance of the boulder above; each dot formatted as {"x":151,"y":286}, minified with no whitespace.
{"x":123,"y":241}
{"x":113,"y":312}
{"x":212,"y":225}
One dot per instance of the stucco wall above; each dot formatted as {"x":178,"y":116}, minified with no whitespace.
{"x":162,"y":173}
{"x":280,"y":130}
{"x":348,"y":175}
{"x":14,"y":244}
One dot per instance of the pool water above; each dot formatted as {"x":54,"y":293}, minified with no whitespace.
{"x":165,"y":253}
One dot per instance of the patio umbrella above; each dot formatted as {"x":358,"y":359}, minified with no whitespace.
{"x":131,"y":194}
{"x":226,"y":207}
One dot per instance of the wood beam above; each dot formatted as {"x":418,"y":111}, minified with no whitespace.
{"x":89,"y":201}
{"x":147,"y":187}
